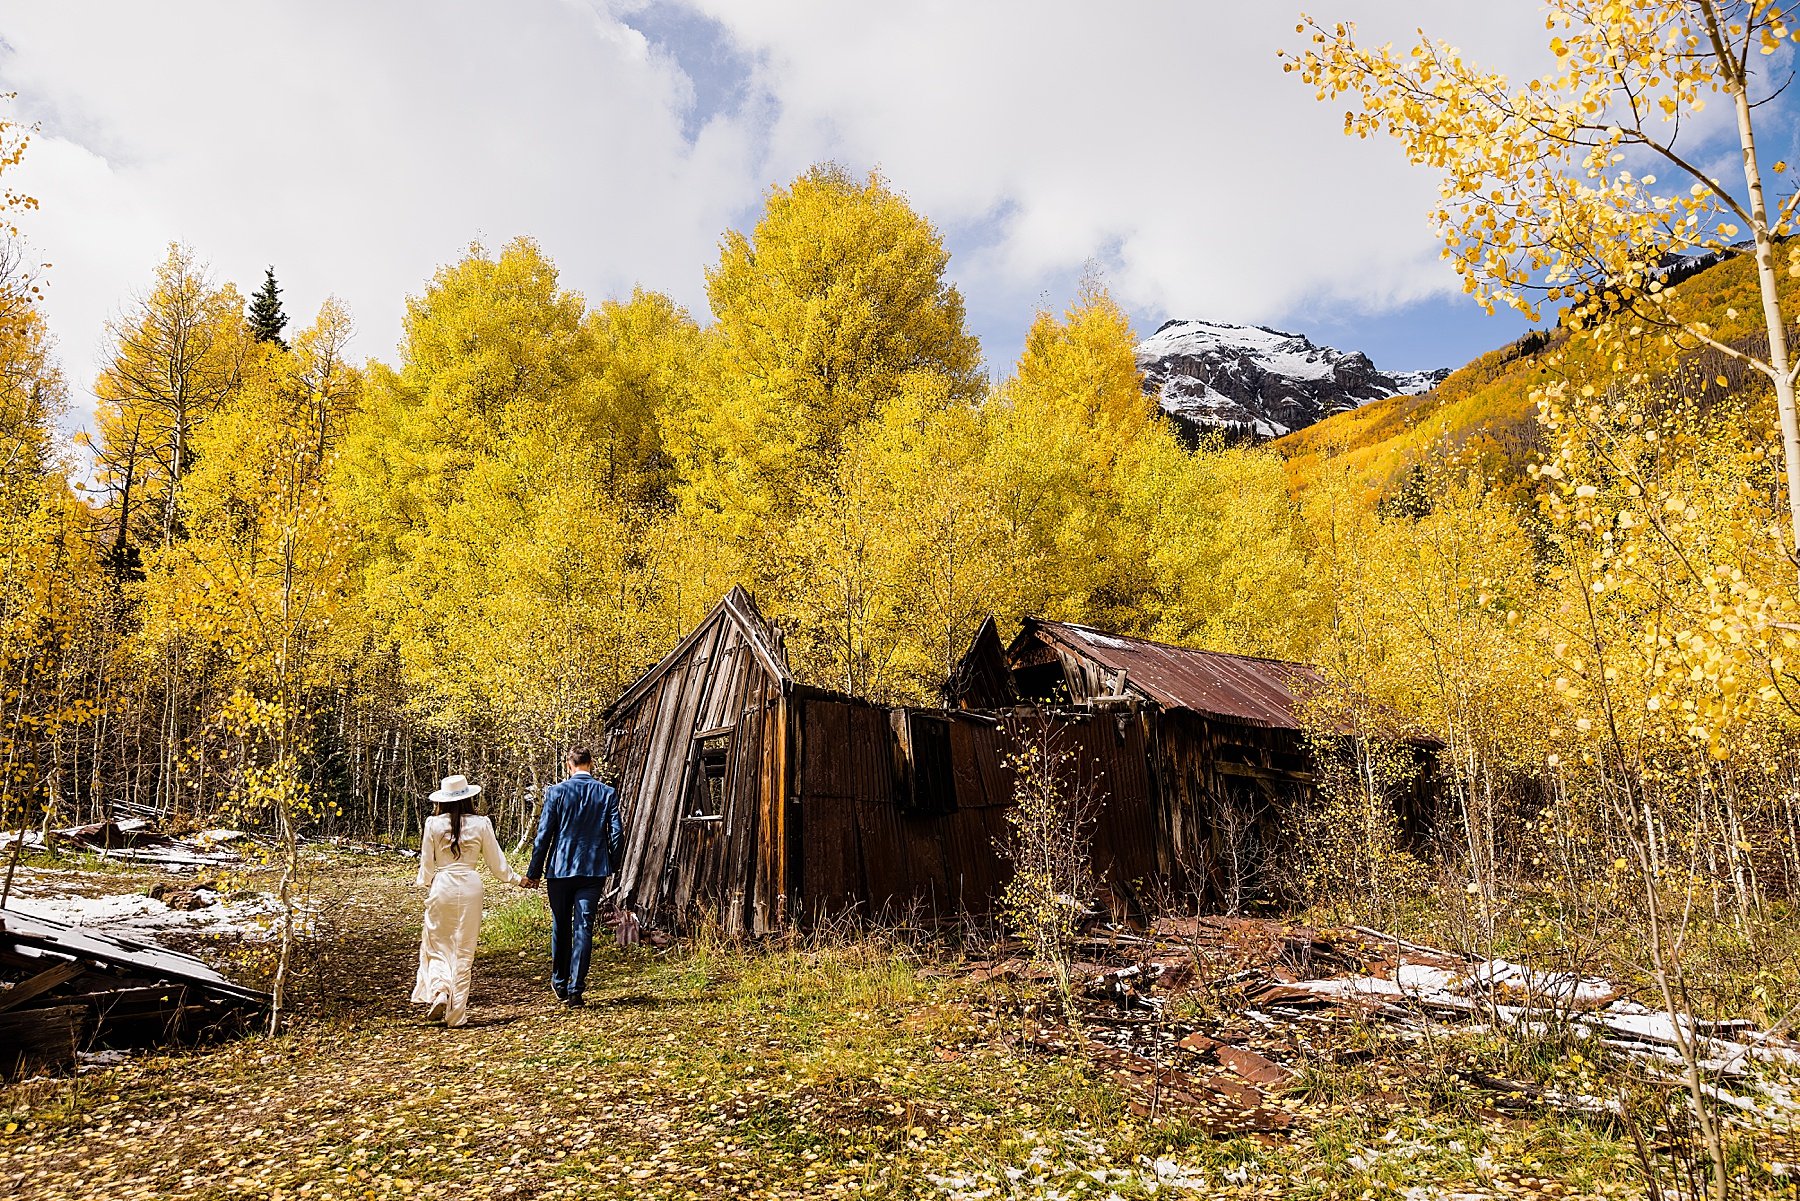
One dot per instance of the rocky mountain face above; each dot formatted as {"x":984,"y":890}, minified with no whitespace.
{"x":1250,"y":381}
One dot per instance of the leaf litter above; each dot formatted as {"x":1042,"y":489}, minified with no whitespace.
{"x":1192,"y":1066}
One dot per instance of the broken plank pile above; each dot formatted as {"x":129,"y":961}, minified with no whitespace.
{"x":66,"y":990}
{"x":1278,"y":997}
{"x":136,"y":840}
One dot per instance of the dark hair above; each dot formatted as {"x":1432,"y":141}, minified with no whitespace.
{"x":580,"y":756}
{"x":457,"y":811}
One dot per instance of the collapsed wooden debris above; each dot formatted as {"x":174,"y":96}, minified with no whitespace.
{"x":69,"y":991}
{"x":137,"y":840}
{"x":1282,"y":997}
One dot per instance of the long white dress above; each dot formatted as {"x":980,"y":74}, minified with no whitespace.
{"x":453,"y":910}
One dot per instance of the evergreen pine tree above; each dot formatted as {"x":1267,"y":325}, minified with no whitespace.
{"x":266,"y":318}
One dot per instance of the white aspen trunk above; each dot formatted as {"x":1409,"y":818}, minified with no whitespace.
{"x":1687,"y":1039}
{"x":290,"y":863}
{"x":1465,"y":792}
{"x":1793,"y":839}
{"x":1743,"y":868}
{"x":1771,"y":303}
{"x":1714,"y":872}
{"x":1487,"y":818}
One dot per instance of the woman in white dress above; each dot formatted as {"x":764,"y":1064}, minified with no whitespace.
{"x":456,"y":840}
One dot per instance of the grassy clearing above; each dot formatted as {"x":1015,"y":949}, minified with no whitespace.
{"x":861,"y":1068}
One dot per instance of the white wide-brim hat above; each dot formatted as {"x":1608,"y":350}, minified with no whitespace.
{"x":454,"y":788}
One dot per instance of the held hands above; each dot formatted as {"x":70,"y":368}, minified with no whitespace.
{"x":529,"y":882}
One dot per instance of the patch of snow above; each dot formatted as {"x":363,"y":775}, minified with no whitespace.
{"x":1392,"y":1148}
{"x":1419,"y":979}
{"x":101,"y":1059}
{"x":1170,"y":1174}
{"x":1564,"y":987}
{"x":1280,"y":352}
{"x":1240,"y":1174}
{"x":1647,"y":1025}
{"x":1355,"y":986}
{"x":1096,"y":638}
{"x":1411,"y":383}
{"x":131,"y":913}
{"x":174,"y":855}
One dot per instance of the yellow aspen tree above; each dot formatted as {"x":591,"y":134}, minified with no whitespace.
{"x":48,"y":584}
{"x":949,"y":563}
{"x":1666,"y":658}
{"x":47,"y":573}
{"x":1578,"y":184}
{"x":1214,"y":532}
{"x":837,"y":294}
{"x":1061,"y":427}
{"x":838,"y":599}
{"x":177,"y":357}
{"x":896,"y":558}
{"x":492,"y":341}
{"x":645,"y":365}
{"x":260,"y":576}
{"x":506,"y":479}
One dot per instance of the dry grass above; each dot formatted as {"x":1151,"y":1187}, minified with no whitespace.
{"x":853,"y":1068}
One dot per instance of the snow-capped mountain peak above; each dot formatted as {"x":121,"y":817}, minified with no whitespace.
{"x":1250,"y":379}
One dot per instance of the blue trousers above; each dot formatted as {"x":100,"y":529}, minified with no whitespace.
{"x":574,"y":906}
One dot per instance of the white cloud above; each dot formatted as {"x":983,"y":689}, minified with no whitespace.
{"x":1162,"y":138}
{"x":358,"y":146}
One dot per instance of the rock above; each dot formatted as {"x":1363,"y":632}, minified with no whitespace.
{"x":1199,"y":1042}
{"x":185,"y":899}
{"x":1257,"y":1069}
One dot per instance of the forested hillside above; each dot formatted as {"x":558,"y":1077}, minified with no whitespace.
{"x":1484,"y":414}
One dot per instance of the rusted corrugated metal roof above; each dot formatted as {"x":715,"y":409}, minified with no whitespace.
{"x":1259,"y":692}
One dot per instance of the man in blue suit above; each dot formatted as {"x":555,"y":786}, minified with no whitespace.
{"x":579,"y":840}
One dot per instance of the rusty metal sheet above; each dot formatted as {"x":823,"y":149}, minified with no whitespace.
{"x":1236,"y":688}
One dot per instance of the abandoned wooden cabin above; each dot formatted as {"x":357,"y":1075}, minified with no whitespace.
{"x":761,"y":800}
{"x":1227,"y":758}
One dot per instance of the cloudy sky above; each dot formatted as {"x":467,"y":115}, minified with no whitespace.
{"x":356,"y":146}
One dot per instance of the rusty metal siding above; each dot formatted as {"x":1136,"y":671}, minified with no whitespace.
{"x":871,"y":845}
{"x":1127,"y":828}
{"x":831,"y":876}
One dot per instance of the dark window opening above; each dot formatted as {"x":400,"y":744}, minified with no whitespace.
{"x":706,"y":788}
{"x":1042,"y":682}
{"x":933,"y":778}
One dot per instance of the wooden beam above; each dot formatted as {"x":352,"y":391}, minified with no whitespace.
{"x":1273,"y":774}
{"x":39,"y":984}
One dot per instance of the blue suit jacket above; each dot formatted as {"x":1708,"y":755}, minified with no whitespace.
{"x":579,"y":832}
